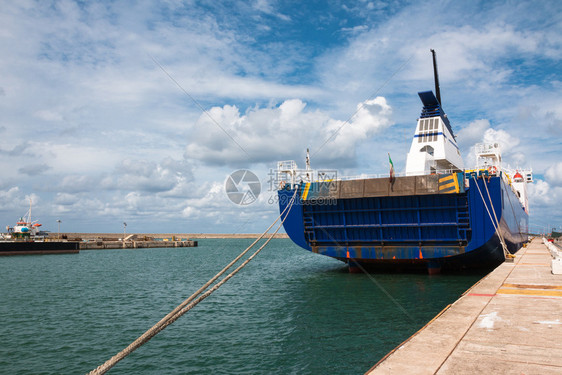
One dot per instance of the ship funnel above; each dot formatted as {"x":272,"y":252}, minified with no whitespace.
{"x":436,"y":77}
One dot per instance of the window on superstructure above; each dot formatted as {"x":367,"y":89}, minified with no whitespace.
{"x":427,"y":149}
{"x":428,"y":130}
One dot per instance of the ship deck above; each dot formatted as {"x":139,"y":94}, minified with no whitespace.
{"x":509,"y":322}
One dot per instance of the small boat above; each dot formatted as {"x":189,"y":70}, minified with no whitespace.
{"x":25,"y":238}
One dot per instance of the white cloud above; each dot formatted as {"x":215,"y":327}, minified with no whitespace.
{"x":480,"y":131}
{"x":472,"y":133}
{"x":507,"y":142}
{"x":96,"y":130}
{"x":544,"y":201}
{"x":554,"y":174}
{"x":74,"y":158}
{"x":77,"y":183}
{"x":214,"y":207}
{"x":540,"y":193}
{"x":266,"y":7}
{"x":283,"y":132}
{"x":65,"y":199}
{"x":49,"y":115}
{"x":13,"y":200}
{"x":149,"y":176}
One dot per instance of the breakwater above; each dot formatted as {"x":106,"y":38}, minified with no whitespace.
{"x":118,"y":236}
{"x":98,"y":241}
{"x":93,"y":241}
{"x":132,"y":244}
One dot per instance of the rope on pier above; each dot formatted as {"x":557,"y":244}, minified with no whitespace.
{"x":191,"y":302}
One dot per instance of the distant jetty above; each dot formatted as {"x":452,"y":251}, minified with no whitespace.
{"x":119,"y":236}
{"x":98,"y":241}
{"x":233,"y":235}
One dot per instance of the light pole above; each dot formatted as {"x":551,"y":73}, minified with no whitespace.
{"x":124,"y":227}
{"x":58,"y":221}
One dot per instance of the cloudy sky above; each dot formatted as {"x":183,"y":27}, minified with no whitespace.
{"x":137,"y":112}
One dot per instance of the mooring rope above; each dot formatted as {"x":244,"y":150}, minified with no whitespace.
{"x":506,"y":253}
{"x":511,"y":205}
{"x":191,"y":302}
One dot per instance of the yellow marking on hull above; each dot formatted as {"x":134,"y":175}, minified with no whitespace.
{"x":305,"y":194}
{"x":449,"y":182}
{"x":449,"y":185}
{"x":452,"y":191}
{"x":456,"y":181}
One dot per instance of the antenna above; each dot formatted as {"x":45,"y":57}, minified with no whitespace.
{"x":29,"y":213}
{"x":436,"y":77}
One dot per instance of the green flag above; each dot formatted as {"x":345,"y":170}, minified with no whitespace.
{"x":391,"y":168}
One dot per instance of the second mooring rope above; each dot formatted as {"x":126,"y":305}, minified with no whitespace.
{"x":193,"y":300}
{"x":496,"y":223}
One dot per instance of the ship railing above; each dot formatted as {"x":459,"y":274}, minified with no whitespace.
{"x":399,"y":174}
{"x":526,"y":173}
{"x":445,"y":171}
{"x":288,"y":173}
{"x":294,"y":176}
{"x":286,"y":165}
{"x":364,"y":176}
{"x":487,"y":148}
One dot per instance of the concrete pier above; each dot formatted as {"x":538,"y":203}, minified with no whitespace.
{"x":508,"y":323}
{"x":98,"y":241}
{"x":116,"y":236}
{"x":134,"y":244}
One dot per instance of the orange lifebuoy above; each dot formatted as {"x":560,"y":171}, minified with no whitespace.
{"x":282,"y":185}
{"x":492,"y":170}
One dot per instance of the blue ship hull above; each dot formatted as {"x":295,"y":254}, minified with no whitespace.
{"x":410,"y":223}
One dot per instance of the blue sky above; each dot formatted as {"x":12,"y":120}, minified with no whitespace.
{"x":100,"y":118}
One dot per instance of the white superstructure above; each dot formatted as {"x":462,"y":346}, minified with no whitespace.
{"x":434,"y":147}
{"x":24,"y":227}
{"x":489,"y":159}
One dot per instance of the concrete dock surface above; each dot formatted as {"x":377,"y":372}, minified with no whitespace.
{"x":508,"y":323}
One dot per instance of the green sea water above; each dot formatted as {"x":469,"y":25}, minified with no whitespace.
{"x":288,"y":312}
